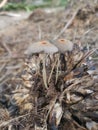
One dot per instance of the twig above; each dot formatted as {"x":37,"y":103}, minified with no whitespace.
{"x":5,"y":123}
{"x":10,"y":127}
{"x":7,"y":48}
{"x":67,"y":25}
{"x":84,"y":57}
{"x":81,"y":127}
{"x":9,"y":58}
{"x":89,"y":53}
{"x":13,"y":67}
{"x":1,"y":68}
{"x":7,"y":74}
{"x":69,"y":88}
{"x":57,"y":71}
{"x":52,"y":70}
{"x":4,"y":60}
{"x":51,"y":106}
{"x":3,"y":3}
{"x":88,"y":31}
{"x":10,"y":14}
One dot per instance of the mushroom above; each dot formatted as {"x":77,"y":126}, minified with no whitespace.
{"x":48,"y":48}
{"x":63,"y":45}
{"x":45,"y":48}
{"x":42,"y":46}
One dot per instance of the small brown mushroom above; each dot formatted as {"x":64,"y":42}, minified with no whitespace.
{"x":63,"y":45}
{"x":48,"y":48}
{"x":42,"y":46}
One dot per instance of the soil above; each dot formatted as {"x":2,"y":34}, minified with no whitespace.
{"x":70,"y":99}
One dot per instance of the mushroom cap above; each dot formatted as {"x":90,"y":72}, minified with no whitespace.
{"x":42,"y":46}
{"x":33,"y":48}
{"x":48,"y":47}
{"x":64,"y":45}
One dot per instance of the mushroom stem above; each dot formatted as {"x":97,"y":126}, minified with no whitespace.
{"x":44,"y":72}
